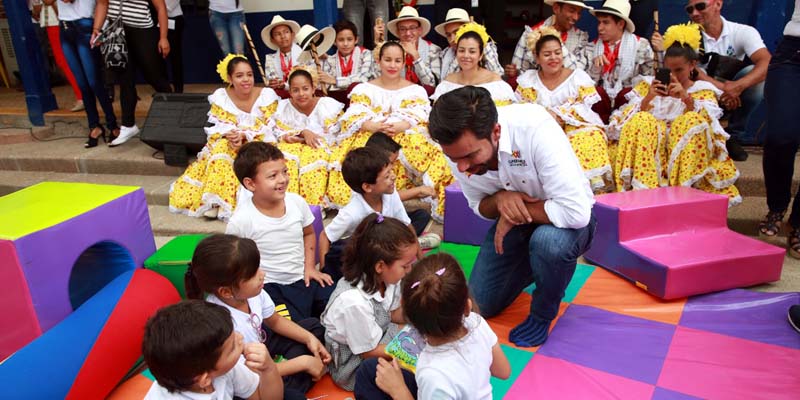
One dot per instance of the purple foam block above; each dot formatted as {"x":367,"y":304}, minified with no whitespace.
{"x":461,"y":225}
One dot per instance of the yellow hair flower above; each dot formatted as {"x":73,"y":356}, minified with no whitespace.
{"x":685,"y":34}
{"x":473,"y":27}
{"x":311,"y":71}
{"x":222,"y":67}
{"x":538,"y":34}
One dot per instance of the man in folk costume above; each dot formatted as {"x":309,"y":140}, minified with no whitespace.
{"x":457,"y":17}
{"x":575,"y":41}
{"x":350,"y":65}
{"x":617,"y":56}
{"x":423,"y":58}
{"x":279,"y":36}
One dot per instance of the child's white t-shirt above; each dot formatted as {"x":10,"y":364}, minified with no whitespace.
{"x":461,"y":369}
{"x":279,"y":240}
{"x":350,"y":319}
{"x":240,"y":381}
{"x":348,"y":218}
{"x":261,"y":306}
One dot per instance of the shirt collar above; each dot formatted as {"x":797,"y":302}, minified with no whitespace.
{"x":374,"y":296}
{"x":504,"y":144}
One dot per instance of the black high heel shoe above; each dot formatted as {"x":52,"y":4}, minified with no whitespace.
{"x":92,"y":141}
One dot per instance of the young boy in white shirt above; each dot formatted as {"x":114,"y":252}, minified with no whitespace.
{"x":349,"y":66}
{"x":193,"y":352}
{"x":281,"y":225}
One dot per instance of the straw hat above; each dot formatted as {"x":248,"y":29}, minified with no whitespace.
{"x":620,"y":8}
{"x":409,"y":14}
{"x":453,"y":15}
{"x":266,"y":33}
{"x":577,"y":3}
{"x":322,"y":39}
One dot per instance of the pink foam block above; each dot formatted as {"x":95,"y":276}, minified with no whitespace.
{"x":19,"y":322}
{"x":674,"y":242}
{"x":461,"y":225}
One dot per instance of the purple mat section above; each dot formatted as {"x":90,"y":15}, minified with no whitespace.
{"x":756,"y":316}
{"x":461,"y":224}
{"x":666,"y":394}
{"x":124,"y":220}
{"x":631,"y":347}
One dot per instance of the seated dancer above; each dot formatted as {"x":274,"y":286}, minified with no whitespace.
{"x":423,"y":62}
{"x":569,"y":96}
{"x":349,"y":66}
{"x":617,"y":56}
{"x":566,"y":14}
{"x":305,"y":126}
{"x":239,"y":114}
{"x":471,"y":40}
{"x":455,"y":19}
{"x":279,"y":36}
{"x":669,"y":133}
{"x":398,"y":108}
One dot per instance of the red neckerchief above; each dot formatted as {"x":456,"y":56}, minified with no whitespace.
{"x":410,"y":74}
{"x":612,"y":57}
{"x":285,"y":68}
{"x":346,"y":68}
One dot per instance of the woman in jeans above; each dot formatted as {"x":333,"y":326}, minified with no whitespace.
{"x":147,"y":44}
{"x":226,"y":18}
{"x":76,"y":23}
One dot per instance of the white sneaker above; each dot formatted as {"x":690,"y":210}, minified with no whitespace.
{"x":429,"y":240}
{"x":125,"y":134}
{"x":212,"y":213}
{"x":79,"y":106}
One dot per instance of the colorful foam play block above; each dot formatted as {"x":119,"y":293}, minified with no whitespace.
{"x":461,"y":225}
{"x":675,"y":242}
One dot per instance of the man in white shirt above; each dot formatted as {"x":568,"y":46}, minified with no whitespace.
{"x":515,"y":165}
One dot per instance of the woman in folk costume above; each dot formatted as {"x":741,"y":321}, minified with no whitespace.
{"x":398,"y":108}
{"x":239,"y":114}
{"x":279,"y":36}
{"x":569,"y":96}
{"x":350,"y":65}
{"x":471,"y":41}
{"x":455,"y":19}
{"x":669,"y":133}
{"x":305,"y":125}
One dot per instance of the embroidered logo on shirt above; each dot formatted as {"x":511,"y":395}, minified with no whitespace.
{"x":517,"y":160}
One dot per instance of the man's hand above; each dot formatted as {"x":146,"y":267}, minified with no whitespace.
{"x":500,"y":232}
{"x":411,"y":49}
{"x":512,"y":206}
{"x":327,"y":79}
{"x":657,"y":41}
{"x":731,"y":95}
{"x":163,"y":47}
{"x":322,"y":278}
{"x":600,"y":61}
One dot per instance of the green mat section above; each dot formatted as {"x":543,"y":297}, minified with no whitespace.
{"x":173,"y":259}
{"x":47,"y":204}
{"x":519,"y":360}
{"x":464,"y":253}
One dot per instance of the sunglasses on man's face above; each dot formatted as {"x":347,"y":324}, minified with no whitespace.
{"x":699,"y":6}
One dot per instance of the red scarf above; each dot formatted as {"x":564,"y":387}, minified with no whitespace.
{"x":410,"y":74}
{"x":611,"y":57}
{"x":284,"y":67}
{"x":347,"y":69}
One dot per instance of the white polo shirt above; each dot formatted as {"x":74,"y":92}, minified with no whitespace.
{"x":261,"y":308}
{"x":534,"y":157}
{"x":736,"y":40}
{"x":348,"y":218}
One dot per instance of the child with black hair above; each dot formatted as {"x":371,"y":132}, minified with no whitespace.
{"x":462,"y":351}
{"x":365,"y":306}
{"x":351,"y":64}
{"x":225,"y":271}
{"x":192,"y":351}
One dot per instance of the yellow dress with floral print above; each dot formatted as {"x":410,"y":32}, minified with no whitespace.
{"x":421,"y":161}
{"x":209,"y":181}
{"x":571,"y":102}
{"x":308,"y":166}
{"x":501,"y":92}
{"x":670,"y":145}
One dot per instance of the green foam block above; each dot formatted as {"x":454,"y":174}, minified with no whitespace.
{"x":172,"y":259}
{"x":464,"y":253}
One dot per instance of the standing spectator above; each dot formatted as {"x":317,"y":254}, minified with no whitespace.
{"x":642,"y":16}
{"x":48,"y":19}
{"x":147,"y":47}
{"x":226,"y":18}
{"x":175,"y":36}
{"x":783,"y":138}
{"x":84,"y":62}
{"x":355,"y":11}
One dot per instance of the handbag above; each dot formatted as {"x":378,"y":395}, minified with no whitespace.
{"x":114,"y":47}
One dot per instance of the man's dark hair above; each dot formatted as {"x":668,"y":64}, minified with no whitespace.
{"x":184,"y":340}
{"x":467,"y":108}
{"x":251,"y":155}
{"x":383,"y":141}
{"x":362,"y":166}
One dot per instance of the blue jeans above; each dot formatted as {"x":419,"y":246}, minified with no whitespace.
{"x":84,"y":62}
{"x":228,"y":29}
{"x":783,"y":137}
{"x":355,"y":11}
{"x":751,"y":99}
{"x":542,"y":254}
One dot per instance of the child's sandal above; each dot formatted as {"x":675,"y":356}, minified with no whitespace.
{"x":771,"y":225}
{"x":793,"y":241}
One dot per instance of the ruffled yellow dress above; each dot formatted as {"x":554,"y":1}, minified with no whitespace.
{"x":669,"y":145}
{"x":572,"y":102}
{"x":308,"y":167}
{"x":209,"y":181}
{"x":421,"y":161}
{"x":502,"y":93}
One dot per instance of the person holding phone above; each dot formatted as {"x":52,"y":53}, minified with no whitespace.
{"x":669,"y":132}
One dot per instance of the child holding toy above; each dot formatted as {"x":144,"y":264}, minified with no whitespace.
{"x":365,"y":306}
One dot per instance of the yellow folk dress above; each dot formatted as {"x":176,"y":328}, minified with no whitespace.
{"x":572,"y":102}
{"x":670,"y":145}
{"x":209,"y":181}
{"x":421,"y":161}
{"x":308,"y":167}
{"x":502,"y":93}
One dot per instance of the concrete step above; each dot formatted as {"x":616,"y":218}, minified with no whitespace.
{"x":24,"y":135}
{"x":165,"y":223}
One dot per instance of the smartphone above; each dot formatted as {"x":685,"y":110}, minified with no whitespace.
{"x":663,"y":76}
